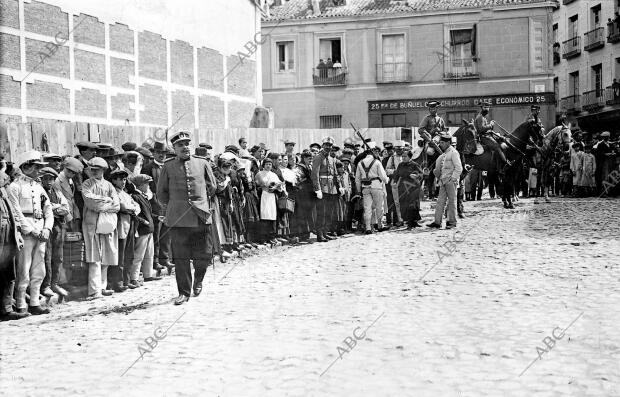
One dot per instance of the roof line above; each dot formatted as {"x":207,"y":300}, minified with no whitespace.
{"x":349,"y":18}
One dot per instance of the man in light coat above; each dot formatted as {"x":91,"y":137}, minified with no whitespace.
{"x":448,"y":168}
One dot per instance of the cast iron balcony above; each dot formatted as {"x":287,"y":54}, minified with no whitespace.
{"x":572,"y":47}
{"x":613,"y":32}
{"x":393,"y":72}
{"x":329,"y":76}
{"x":571,"y":103}
{"x":593,"y":100}
{"x":612,"y":95}
{"x":594,"y":39}
{"x":462,"y":68}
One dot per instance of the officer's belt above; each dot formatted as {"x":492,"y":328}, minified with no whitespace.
{"x":33,"y":215}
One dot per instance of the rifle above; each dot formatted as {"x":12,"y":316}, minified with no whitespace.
{"x":427,"y":137}
{"x":359,"y":134}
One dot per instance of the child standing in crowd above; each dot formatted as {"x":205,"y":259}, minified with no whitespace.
{"x":99,"y":226}
{"x":120,"y":275}
{"x":144,"y":248}
{"x":54,"y":246}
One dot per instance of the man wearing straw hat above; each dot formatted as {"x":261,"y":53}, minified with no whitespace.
{"x":27,"y":194}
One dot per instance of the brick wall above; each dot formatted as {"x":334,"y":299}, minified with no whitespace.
{"x":10,"y":93}
{"x":48,"y":97}
{"x":45,"y":19}
{"x":46,"y":58}
{"x":181,"y":63}
{"x":121,"y":109}
{"x":153,"y":98}
{"x":183,"y":110}
{"x":89,"y":66}
{"x":210,"y":112}
{"x":9,"y":51}
{"x":50,"y":56}
{"x":241,"y":76}
{"x":210,"y":69}
{"x":152,"y":56}
{"x":240,"y":114}
{"x":90,"y":103}
{"x":121,"y":38}
{"x":9,"y":13}
{"x":121,"y":70}
{"x":88,"y":30}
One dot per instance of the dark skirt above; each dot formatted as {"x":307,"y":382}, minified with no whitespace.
{"x":303,"y":220}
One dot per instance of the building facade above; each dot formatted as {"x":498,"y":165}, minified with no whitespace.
{"x":587,"y":62}
{"x":129,"y":62}
{"x":376,"y":63}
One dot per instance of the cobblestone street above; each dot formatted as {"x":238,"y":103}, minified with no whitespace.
{"x":459,"y":312}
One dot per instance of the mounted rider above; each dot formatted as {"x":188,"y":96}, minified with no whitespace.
{"x":432,"y":124}
{"x":484,"y":129}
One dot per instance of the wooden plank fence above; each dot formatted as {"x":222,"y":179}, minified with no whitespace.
{"x":60,"y":137}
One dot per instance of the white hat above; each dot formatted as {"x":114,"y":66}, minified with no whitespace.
{"x":399,"y":143}
{"x":372,"y":144}
{"x":229,"y":156}
{"x":31,"y":156}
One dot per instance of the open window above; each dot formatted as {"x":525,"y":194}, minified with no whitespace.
{"x":286,"y":56}
{"x":462,"y":56}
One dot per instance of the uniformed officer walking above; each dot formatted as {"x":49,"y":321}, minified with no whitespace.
{"x":325,"y":181}
{"x":185,"y":186}
{"x":37,"y":221}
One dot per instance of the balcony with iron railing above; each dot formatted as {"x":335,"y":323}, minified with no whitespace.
{"x":594,"y":39}
{"x":329,"y":76}
{"x":461,"y":68}
{"x":593,"y":100}
{"x":393,"y":72}
{"x":613,"y":32}
{"x":571,"y":47}
{"x":612,"y":95}
{"x":571,"y":103}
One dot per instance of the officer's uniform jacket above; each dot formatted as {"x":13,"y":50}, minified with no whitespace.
{"x":482,"y":125}
{"x":432,"y":125}
{"x":324,"y":174}
{"x":28,"y":195}
{"x":185,"y":187}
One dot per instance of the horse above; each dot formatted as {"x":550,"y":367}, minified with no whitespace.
{"x":556,"y":144}
{"x":426,"y":160}
{"x":516,"y":144}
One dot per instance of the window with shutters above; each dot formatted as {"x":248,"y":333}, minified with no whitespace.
{"x":394,"y":65}
{"x":597,"y":79}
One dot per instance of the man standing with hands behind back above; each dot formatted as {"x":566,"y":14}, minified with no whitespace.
{"x":185,"y":186}
{"x":448,"y":168}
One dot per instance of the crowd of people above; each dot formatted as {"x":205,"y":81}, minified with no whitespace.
{"x":144,"y":211}
{"x":147,"y":210}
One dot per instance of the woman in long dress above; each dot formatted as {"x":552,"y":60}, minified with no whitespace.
{"x":408,"y":177}
{"x":268,"y":183}
{"x":304,"y":217}
{"x":99,"y":226}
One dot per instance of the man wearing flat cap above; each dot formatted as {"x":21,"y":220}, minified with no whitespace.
{"x":327,"y":188}
{"x":185,"y":186}
{"x":289,"y":151}
{"x":37,"y":220}
{"x":448,"y":169}
{"x":66,"y":184}
{"x":54,"y":246}
{"x":53,"y":161}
